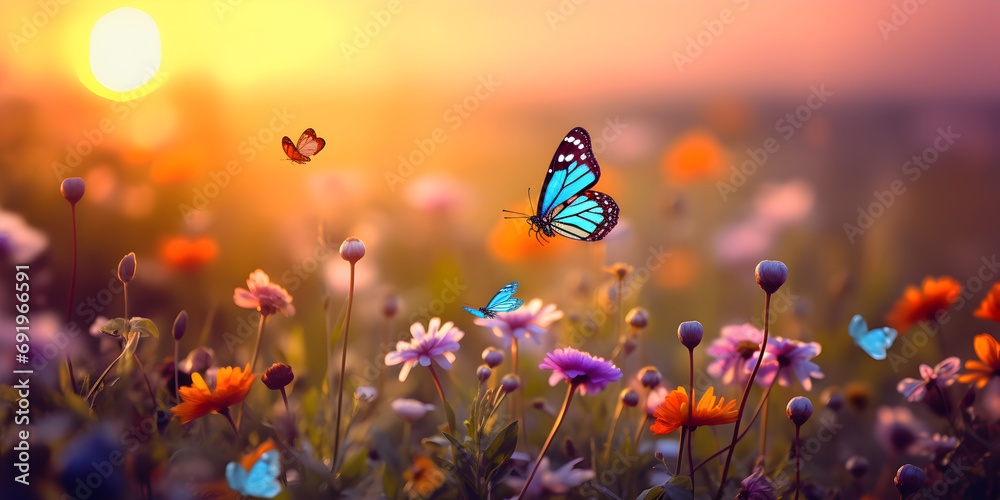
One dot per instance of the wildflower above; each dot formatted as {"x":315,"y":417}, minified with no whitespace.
{"x":264,"y":296}
{"x":690,"y":333}
{"x":799,"y":410}
{"x":989,"y":308}
{"x":770,"y":275}
{"x":655,"y":399}
{"x":554,"y":482}
{"x":620,"y":270}
{"x":365,"y":394}
{"x":277,"y":376}
{"x":696,"y":155}
{"x":925,"y":304}
{"x":734,"y":351}
{"x":184,"y":255}
{"x":231,"y":387}
{"x":529,"y":321}
{"x":784,"y":357}
{"x":650,"y":377}
{"x":72,"y":189}
{"x":988,"y":365}
{"x":20,"y":242}
{"x":423,"y":478}
{"x":673,"y":411}
{"x":352,"y":250}
{"x":590,"y":373}
{"x":942,"y":375}
{"x":756,"y":487}
{"x":897,"y":429}
{"x":908,"y":480}
{"x":436,"y":343}
{"x":936,"y":446}
{"x":411,"y":410}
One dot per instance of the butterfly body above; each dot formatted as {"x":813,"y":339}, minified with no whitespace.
{"x":566,"y":205}
{"x":261,"y":481}
{"x":503,"y":301}
{"x":874,"y":342}
{"x":308,"y":145}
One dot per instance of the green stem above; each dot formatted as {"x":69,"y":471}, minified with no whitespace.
{"x":343,"y":366}
{"x":437,"y":383}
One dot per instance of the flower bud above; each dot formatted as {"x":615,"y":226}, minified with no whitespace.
{"x":799,"y":410}
{"x":510,"y":382}
{"x":771,"y":274}
{"x":690,"y":333}
{"x":630,"y":398}
{"x":619,"y":269}
{"x":126,"y":268}
{"x":637,"y":318}
{"x":658,"y":455}
{"x":650,"y":377}
{"x":72,"y":189}
{"x":352,"y":250}
{"x":411,"y":410}
{"x":630,"y":346}
{"x":180,"y":325}
{"x":857,"y":466}
{"x":277,"y":376}
{"x":197,"y":360}
{"x":909,"y":479}
{"x":492,"y":357}
{"x":484,"y":373}
{"x":365,"y":394}
{"x":390,"y":305}
{"x":832,"y":398}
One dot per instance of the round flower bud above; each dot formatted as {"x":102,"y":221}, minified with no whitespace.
{"x":630,"y":398}
{"x":799,"y":410}
{"x":650,"y":377}
{"x":857,"y":466}
{"x":771,"y":274}
{"x":492,"y":357}
{"x":352,"y":250}
{"x":690,"y":333}
{"x":658,"y":455}
{"x":637,"y":318}
{"x":277,"y":376}
{"x":832,"y":398}
{"x":484,"y":373}
{"x":390,"y":306}
{"x":126,"y":268}
{"x":366,"y":394}
{"x":411,"y":410}
{"x":180,"y":325}
{"x":630,"y":345}
{"x":72,"y":189}
{"x":510,"y":383}
{"x":909,"y":479}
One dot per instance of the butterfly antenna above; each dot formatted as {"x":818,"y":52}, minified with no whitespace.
{"x":519,"y":215}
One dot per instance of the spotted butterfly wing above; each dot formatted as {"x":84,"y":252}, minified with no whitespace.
{"x":503,"y":301}
{"x":308,"y":145}
{"x":261,"y":481}
{"x":565,"y":206}
{"x":874,"y":342}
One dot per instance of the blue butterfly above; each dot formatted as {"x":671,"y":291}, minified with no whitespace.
{"x":874,"y":342}
{"x":503,"y":301}
{"x":565,"y":206}
{"x":261,"y":481}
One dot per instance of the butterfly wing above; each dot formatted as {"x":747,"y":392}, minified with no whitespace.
{"x":309,"y":144}
{"x":858,"y":328}
{"x":236,"y":477}
{"x":292,"y":152}
{"x":588,"y":217}
{"x":572,"y":170}
{"x":474,"y":312}
{"x":503,"y":296}
{"x":262,"y":481}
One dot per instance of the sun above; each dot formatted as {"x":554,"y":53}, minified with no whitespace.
{"x":124,"y":56}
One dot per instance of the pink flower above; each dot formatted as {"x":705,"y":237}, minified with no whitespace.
{"x":942,"y":375}
{"x":591,"y":373}
{"x":733,"y":352}
{"x":411,"y":410}
{"x":529,"y":321}
{"x":897,"y":429}
{"x":757,"y":486}
{"x":656,"y":398}
{"x":264,"y":296}
{"x":785,"y":357}
{"x":436,"y":343}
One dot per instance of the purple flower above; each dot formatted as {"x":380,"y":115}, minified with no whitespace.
{"x":785,"y":357}
{"x":942,"y":375}
{"x":733,"y":351}
{"x":411,"y":410}
{"x":591,"y":373}
{"x":553,"y":482}
{"x":529,"y":321}
{"x":264,"y":296}
{"x":897,"y":429}
{"x":936,"y":446}
{"x":756,"y":487}
{"x":436,"y":343}
{"x":20,"y":242}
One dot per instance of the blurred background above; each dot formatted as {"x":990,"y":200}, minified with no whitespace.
{"x":853,"y":141}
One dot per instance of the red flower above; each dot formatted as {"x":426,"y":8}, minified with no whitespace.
{"x":916,"y":305}
{"x":989,"y":308}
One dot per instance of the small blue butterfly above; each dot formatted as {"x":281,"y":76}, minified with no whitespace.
{"x":565,"y":206}
{"x":874,"y":342}
{"x":261,"y":481}
{"x":503,"y":301}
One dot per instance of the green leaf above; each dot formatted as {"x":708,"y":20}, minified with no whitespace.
{"x":114,"y":328}
{"x":390,"y":483}
{"x":501,"y":448}
{"x":463,"y":461}
{"x":450,"y":413}
{"x":678,"y":488}
{"x":650,"y":494}
{"x":354,"y":469}
{"x":145,"y":326}
{"x":125,"y":362}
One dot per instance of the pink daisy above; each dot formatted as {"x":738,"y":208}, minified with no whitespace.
{"x":591,"y":373}
{"x":529,"y":321}
{"x":943,"y":375}
{"x":264,"y":296}
{"x":733,"y":352}
{"x":785,"y":357}
{"x":436,"y":343}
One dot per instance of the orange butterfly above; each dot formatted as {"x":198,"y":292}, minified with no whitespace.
{"x":307,"y":146}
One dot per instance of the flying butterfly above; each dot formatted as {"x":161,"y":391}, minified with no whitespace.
{"x":565,"y":205}
{"x":874,"y":342}
{"x":307,"y":146}
{"x":261,"y":481}
{"x":503,"y":301}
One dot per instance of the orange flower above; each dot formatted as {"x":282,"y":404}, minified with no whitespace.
{"x":988,"y":351}
{"x":696,"y":156}
{"x":423,"y":478}
{"x":182,"y":254}
{"x":231,"y":387}
{"x":248,"y":460}
{"x":673,"y":413}
{"x":989,"y":308}
{"x":916,"y":305}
